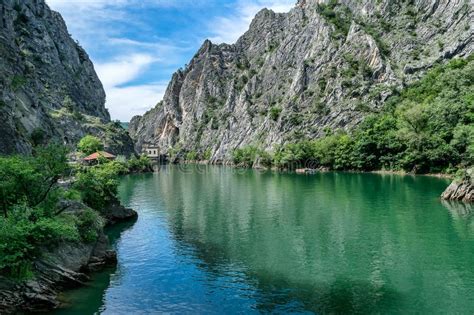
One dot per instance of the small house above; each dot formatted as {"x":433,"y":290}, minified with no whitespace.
{"x":151,"y":151}
{"x":94,"y":157}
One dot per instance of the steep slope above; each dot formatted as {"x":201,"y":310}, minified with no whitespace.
{"x":325,"y":64}
{"x":49,"y":88}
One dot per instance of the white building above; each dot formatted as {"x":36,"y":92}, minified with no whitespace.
{"x":151,"y":151}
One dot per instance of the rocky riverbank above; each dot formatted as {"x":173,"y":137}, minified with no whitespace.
{"x":62,"y":267}
{"x":461,"y":189}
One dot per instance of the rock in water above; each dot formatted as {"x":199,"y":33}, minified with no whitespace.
{"x":323,"y":64}
{"x":49,"y":88}
{"x":461,"y":190}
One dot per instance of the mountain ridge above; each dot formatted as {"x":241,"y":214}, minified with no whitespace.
{"x":325,"y":64}
{"x":50,"y":90}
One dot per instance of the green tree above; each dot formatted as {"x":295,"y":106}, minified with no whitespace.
{"x":32,"y":180}
{"x":98,"y":184}
{"x":90,"y":144}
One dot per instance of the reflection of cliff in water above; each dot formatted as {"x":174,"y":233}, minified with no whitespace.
{"x":94,"y":290}
{"x":311,"y":240}
{"x":458,"y":208}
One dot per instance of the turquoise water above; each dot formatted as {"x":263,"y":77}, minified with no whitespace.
{"x":224,"y":241}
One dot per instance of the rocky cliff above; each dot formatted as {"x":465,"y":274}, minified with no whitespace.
{"x":461,"y":189}
{"x":48,"y":85}
{"x":325,"y":64}
{"x":62,"y":266}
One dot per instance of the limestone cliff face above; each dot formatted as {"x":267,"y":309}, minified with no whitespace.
{"x":461,"y":189}
{"x":325,"y":64}
{"x":49,"y":88}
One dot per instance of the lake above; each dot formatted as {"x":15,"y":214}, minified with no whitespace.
{"x":217,"y":240}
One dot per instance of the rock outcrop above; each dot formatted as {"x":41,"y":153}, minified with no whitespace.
{"x":461,"y":189}
{"x":61,"y":267}
{"x":48,"y":86}
{"x":325,"y":64}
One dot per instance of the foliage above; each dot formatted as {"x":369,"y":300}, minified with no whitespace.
{"x":207,"y":155}
{"x":37,"y":136}
{"x":33,"y":216}
{"x":275,"y":112}
{"x":31,"y":180}
{"x":89,"y":222}
{"x":428,"y":127}
{"x":341,"y":19}
{"x":98,"y":184}
{"x":24,"y":232}
{"x":17,"y":82}
{"x":192,"y":156}
{"x":245,"y":156}
{"x":90,"y":144}
{"x":140,"y":164}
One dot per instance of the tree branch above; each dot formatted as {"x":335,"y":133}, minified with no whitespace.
{"x":45,"y":194}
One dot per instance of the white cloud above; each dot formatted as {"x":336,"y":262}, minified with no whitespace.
{"x":124,"y":69}
{"x":101,"y":25}
{"x":126,"y":102}
{"x":228,"y":29}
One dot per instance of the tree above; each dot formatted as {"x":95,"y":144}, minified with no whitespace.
{"x":98,"y":184}
{"x":90,"y":144}
{"x":31,"y":180}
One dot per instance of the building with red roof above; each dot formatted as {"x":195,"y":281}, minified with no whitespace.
{"x":94,"y":157}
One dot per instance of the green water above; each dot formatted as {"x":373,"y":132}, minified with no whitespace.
{"x":217,"y":240}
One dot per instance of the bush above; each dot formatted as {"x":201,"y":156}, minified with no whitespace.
{"x":17,"y":82}
{"x":207,"y":155}
{"x":89,"y":223}
{"x":141,"y":164}
{"x":245,"y":156}
{"x":275,"y":112}
{"x":192,"y":156}
{"x":90,"y":144}
{"x":38,"y":136}
{"x":98,"y":184}
{"x":32,"y":216}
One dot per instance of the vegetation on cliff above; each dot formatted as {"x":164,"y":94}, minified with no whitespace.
{"x":427,"y":127}
{"x":35,"y":207}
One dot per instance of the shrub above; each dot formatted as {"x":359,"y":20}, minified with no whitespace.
{"x":245,"y":156}
{"x":207,"y":155}
{"x":192,"y":156}
{"x":275,"y":112}
{"x":98,"y":184}
{"x":37,"y":136}
{"x":140,"y":164}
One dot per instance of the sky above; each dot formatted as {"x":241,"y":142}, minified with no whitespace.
{"x":136,"y":45}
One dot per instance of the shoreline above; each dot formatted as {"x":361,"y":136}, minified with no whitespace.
{"x":64,"y":267}
{"x":317,"y":170}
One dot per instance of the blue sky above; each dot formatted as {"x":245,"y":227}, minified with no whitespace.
{"x":136,"y":45}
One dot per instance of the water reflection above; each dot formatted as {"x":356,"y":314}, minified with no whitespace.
{"x":324,"y":238}
{"x":220,"y":240}
{"x":459,"y":209}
